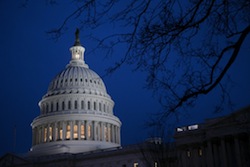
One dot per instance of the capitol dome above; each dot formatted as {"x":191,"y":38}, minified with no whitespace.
{"x":76,"y":113}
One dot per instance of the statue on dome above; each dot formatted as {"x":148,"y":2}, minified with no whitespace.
{"x":77,"y":40}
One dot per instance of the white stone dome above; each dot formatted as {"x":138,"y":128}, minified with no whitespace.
{"x":77,"y":79}
{"x":76,"y":113}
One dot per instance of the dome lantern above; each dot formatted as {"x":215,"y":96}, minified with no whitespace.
{"x":77,"y":52}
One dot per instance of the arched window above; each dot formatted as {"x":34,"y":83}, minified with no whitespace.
{"x":75,"y":104}
{"x":88,"y":105}
{"x":100,"y":107}
{"x":63,"y":105}
{"x":106,"y":133}
{"x":57,"y":106}
{"x":82,"y":132}
{"x":104,"y":107}
{"x":60,"y":132}
{"x":45,"y":135}
{"x":68,"y":131}
{"x":82,"y":104}
{"x":89,"y":131}
{"x":50,"y":133}
{"x":47,"y":108}
{"x":75,"y":133}
{"x":69,"y":105}
{"x":51,"y":107}
{"x":107,"y":108}
{"x":94,"y":105}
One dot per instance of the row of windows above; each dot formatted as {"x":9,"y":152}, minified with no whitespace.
{"x":75,"y":105}
{"x":79,"y":81}
{"x":76,"y":131}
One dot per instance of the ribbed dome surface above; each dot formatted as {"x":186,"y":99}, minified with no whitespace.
{"x":77,"y":79}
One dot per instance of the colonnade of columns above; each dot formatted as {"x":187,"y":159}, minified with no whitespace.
{"x":76,"y":130}
{"x":227,"y":151}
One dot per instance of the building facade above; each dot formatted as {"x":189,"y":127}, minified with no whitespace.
{"x":219,"y":142}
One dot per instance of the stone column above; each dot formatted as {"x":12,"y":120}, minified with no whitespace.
{"x":119,"y":135}
{"x":210,"y":160}
{"x":224,"y":153}
{"x":71,"y":124}
{"x":102,"y":128}
{"x":63,"y":130}
{"x":54,"y":132}
{"x":58,"y":130}
{"x":42,"y":134}
{"x":39,"y":134}
{"x":86,"y":130}
{"x":79,"y":129}
{"x":237,"y":150}
{"x":108,"y":130}
{"x":113,"y":133}
{"x":94,"y":131}
{"x":48,"y":133}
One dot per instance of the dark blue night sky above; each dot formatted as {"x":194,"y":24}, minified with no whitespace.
{"x":30,"y":60}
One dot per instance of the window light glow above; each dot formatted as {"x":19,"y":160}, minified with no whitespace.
{"x":75,"y":132}
{"x":68,"y":132}
{"x":136,"y":164}
{"x":193,"y":127}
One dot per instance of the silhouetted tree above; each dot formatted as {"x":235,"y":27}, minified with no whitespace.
{"x":186,"y":47}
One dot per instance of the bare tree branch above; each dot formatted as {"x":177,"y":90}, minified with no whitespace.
{"x":186,"y":48}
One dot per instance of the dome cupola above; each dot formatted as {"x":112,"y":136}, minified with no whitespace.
{"x":76,"y":113}
{"x":77,"y":52}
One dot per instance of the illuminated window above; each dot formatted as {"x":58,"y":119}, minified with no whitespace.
{"x":180,"y":129}
{"x":50,"y":133}
{"x":106,"y":133}
{"x":60,"y":133}
{"x":136,"y":164}
{"x":193,"y":127}
{"x":45,"y":135}
{"x":75,"y":134}
{"x":68,"y":132}
{"x":89,"y":131}
{"x":188,"y":153}
{"x":200,"y":152}
{"x":82,"y":132}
